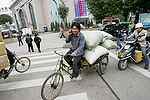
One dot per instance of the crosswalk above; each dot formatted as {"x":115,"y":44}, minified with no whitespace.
{"x":43,"y":63}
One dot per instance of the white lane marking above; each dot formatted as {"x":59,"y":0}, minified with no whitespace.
{"x":38,"y":54}
{"x":137,"y":68}
{"x":40,"y":57}
{"x":29,"y":83}
{"x":44,"y":61}
{"x":79,"y":96}
{"x":141,"y":70}
{"x":34,"y":70}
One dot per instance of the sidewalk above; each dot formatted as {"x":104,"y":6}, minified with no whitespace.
{"x":49,"y":40}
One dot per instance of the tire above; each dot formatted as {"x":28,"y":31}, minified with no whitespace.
{"x":103,"y":65}
{"x":52,"y":86}
{"x":123,"y":64}
{"x":23,"y":64}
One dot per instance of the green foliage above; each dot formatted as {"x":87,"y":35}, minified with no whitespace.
{"x":61,"y":24}
{"x":5,"y":18}
{"x":104,"y":8}
{"x":52,"y":26}
{"x":63,"y":13}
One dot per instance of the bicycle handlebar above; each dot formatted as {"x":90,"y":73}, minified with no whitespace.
{"x":62,"y":54}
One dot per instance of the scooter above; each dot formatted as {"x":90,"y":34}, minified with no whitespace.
{"x":131,"y":52}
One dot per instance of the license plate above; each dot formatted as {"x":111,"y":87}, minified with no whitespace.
{"x":120,"y":53}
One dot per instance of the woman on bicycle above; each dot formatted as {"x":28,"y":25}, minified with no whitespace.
{"x":76,"y":51}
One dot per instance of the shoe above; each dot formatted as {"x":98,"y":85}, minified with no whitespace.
{"x":73,"y":79}
{"x":146,"y":67}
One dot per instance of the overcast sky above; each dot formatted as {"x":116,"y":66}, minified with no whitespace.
{"x":4,"y":3}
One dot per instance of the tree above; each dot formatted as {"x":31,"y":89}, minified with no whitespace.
{"x":104,"y":8}
{"x":5,"y":18}
{"x":63,"y":13}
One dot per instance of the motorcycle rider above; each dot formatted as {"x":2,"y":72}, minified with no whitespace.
{"x":140,"y":34}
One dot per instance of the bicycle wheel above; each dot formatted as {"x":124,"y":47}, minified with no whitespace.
{"x":103,"y":65}
{"x":52,"y":86}
{"x":22,"y":64}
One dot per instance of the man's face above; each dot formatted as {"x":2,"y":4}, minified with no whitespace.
{"x":75,"y":30}
{"x":117,"y":24}
{"x":139,"y":29}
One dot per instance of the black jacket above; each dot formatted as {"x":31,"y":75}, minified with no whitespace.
{"x":29,"y":39}
{"x":120,"y":27}
{"x":37,"y":39}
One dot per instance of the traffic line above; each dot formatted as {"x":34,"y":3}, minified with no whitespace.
{"x":41,"y":57}
{"x":134,"y":67}
{"x":43,"y":61}
{"x":29,"y":83}
{"x":34,"y":70}
{"x":79,"y":96}
{"x":43,"y":53}
{"x":141,"y":70}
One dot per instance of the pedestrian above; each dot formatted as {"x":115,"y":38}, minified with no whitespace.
{"x":19,"y":39}
{"x":118,"y":29}
{"x":37,"y":41}
{"x":140,"y":34}
{"x":61,"y":32}
{"x":76,"y":51}
{"x":133,"y":29}
{"x":29,"y":42}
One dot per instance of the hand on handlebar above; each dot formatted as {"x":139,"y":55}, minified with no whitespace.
{"x":73,"y":54}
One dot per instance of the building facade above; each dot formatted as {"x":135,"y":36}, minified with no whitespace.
{"x":36,"y":14}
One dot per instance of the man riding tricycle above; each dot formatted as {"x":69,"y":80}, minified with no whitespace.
{"x":79,"y":60}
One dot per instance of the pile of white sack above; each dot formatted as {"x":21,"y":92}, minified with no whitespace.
{"x":97,"y":43}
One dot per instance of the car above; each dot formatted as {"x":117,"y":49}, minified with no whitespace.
{"x":107,"y":28}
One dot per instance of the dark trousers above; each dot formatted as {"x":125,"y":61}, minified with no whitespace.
{"x":20,"y":42}
{"x":75,"y":62}
{"x":30,"y":46}
{"x":11,"y":59}
{"x":62,"y":35}
{"x":38,"y":46}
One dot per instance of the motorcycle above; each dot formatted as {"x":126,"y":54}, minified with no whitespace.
{"x":131,"y":52}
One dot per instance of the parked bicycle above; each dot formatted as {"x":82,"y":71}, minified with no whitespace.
{"x":21,"y":65}
{"x":52,"y":86}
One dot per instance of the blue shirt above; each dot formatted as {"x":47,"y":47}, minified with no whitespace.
{"x":77,"y":43}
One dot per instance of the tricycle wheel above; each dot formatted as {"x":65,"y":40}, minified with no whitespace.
{"x":122,"y":64}
{"x":103,"y":65}
{"x":52,"y":86}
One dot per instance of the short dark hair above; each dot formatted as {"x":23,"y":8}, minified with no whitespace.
{"x":76,"y":24}
{"x":117,"y":21}
{"x":135,"y":21}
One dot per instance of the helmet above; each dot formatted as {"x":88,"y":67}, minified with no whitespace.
{"x":138,"y":25}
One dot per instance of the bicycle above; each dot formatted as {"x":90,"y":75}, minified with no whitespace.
{"x":21,"y":65}
{"x":53,"y":84}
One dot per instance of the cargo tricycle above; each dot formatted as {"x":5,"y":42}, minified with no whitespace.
{"x":52,"y":86}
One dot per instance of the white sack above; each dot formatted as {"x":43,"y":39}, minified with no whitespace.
{"x":92,"y":39}
{"x":109,"y":44}
{"x":92,"y":56}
